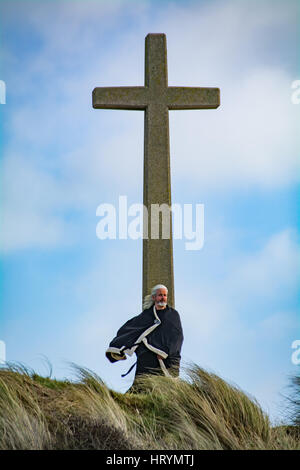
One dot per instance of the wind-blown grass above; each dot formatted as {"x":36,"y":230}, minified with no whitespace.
{"x":199,"y":412}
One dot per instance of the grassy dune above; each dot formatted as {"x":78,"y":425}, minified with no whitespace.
{"x":200,"y":412}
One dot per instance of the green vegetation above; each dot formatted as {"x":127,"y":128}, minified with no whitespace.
{"x":200,"y":412}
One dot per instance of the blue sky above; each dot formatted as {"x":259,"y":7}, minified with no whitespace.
{"x":65,"y":292}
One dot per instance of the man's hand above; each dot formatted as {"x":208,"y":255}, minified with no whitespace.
{"x":159,"y":357}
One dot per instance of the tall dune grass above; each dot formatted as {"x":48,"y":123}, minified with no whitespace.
{"x":200,"y":412}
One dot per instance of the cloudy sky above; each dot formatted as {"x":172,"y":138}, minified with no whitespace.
{"x":64,"y":292}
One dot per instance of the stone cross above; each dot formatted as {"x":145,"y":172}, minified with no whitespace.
{"x":156,"y":98}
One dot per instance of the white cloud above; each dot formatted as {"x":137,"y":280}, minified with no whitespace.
{"x":278,"y":324}
{"x":271,"y":270}
{"x":31,"y":203}
{"x":250,"y":141}
{"x":242,"y":308}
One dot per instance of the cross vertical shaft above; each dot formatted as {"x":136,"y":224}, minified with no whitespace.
{"x":157,"y":254}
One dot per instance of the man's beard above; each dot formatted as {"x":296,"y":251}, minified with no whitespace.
{"x":162,"y":304}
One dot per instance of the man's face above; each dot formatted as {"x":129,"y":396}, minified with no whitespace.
{"x":160,"y":299}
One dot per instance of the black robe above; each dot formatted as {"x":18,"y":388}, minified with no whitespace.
{"x":151,"y":333}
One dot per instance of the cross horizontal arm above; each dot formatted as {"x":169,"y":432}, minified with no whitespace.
{"x":120,"y":97}
{"x":192,"y":98}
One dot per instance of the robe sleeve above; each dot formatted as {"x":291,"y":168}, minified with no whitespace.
{"x":126,"y":337}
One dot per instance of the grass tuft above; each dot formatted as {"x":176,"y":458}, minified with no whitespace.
{"x":200,"y":412}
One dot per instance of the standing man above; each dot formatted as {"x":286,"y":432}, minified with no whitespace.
{"x":155,"y":335}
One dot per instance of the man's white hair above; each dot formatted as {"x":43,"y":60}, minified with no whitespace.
{"x":148,"y":301}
